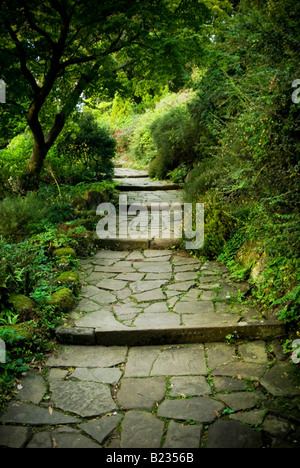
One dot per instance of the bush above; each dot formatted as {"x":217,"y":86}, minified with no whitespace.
{"x":83,"y":153}
{"x":13,"y":161}
{"x":143,"y":147}
{"x":174,"y":136}
{"x":18,"y":213}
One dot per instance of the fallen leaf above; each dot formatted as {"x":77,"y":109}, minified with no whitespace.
{"x":50,"y":410}
{"x":239,"y":377}
{"x":217,"y":414}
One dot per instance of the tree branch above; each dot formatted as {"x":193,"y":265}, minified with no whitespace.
{"x":23,"y":59}
{"x":34,"y":26}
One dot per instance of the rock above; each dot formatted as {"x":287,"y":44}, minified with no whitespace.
{"x":71,"y":279}
{"x":93,"y":199}
{"x":280,"y":380}
{"x":26,"y":413}
{"x":100,"y":429}
{"x":79,"y":203}
{"x":141,"y":393}
{"x":33,"y":388}
{"x":14,"y":437}
{"x":62,"y":300}
{"x":232,"y":434}
{"x":179,"y":436}
{"x":86,"y":399}
{"x":23,"y":305}
{"x":141,"y":430}
{"x":64,"y":252}
{"x":199,"y":409}
{"x":259,"y":267}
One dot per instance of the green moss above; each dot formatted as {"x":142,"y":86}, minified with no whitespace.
{"x":62,"y":300}
{"x":20,"y":332}
{"x":23,"y":305}
{"x":70,"y":279}
{"x":64,"y":252}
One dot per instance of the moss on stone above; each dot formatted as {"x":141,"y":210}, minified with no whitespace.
{"x":63,"y":300}
{"x":64,"y":252}
{"x":24,"y":331}
{"x":23,"y":305}
{"x":71,"y":279}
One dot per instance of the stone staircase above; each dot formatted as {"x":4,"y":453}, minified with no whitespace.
{"x":143,"y":291}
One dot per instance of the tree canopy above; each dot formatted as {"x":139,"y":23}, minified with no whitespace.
{"x":54,"y":52}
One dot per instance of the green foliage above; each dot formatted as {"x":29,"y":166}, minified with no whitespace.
{"x":173,"y":135}
{"x":13,"y":161}
{"x":84,"y":152}
{"x":17,"y":214}
{"x":143,"y":146}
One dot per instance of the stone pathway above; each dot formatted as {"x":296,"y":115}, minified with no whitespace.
{"x":157,"y":297}
{"x":158,"y":354}
{"x":210,"y":395}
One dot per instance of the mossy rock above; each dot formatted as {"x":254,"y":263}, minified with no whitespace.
{"x":64,"y":252}
{"x":249,"y":253}
{"x":70,"y":279}
{"x":94,"y":199}
{"x":24,"y":331}
{"x":63,"y":300}
{"x":23,"y":305}
{"x":79,"y":203}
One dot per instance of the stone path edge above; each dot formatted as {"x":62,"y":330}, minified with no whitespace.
{"x":157,"y":336}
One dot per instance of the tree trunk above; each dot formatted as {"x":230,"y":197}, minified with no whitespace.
{"x":30,"y":179}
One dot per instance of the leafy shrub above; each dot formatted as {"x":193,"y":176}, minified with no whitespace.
{"x":173,"y":135}
{"x":84,"y":152}
{"x":142,"y":146}
{"x":13,"y":161}
{"x":18,"y":213}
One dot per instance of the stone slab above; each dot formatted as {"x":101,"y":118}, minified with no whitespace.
{"x":183,"y":436}
{"x":232,"y":434}
{"x":100,"y":429}
{"x":33,"y":388}
{"x":186,"y":360}
{"x":83,"y":356}
{"x":87,"y":399}
{"x":200,"y":409}
{"x":141,"y":393}
{"x":157,"y":321}
{"x":102,"y":375}
{"x":189,"y":386}
{"x":141,"y":430}
{"x":26,"y":413}
{"x":14,"y":437}
{"x":280,"y":380}
{"x":62,"y":440}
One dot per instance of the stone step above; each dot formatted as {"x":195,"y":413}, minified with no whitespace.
{"x":122,"y":172}
{"x":149,"y":297}
{"x":159,"y":335}
{"x":144,"y":184}
{"x":133,"y":244}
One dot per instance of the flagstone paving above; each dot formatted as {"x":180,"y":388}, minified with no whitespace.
{"x":158,"y":353}
{"x":167,"y":396}
{"x":142,"y":297}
